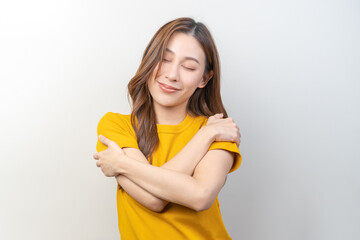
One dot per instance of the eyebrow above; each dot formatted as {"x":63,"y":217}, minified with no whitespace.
{"x":187,"y":58}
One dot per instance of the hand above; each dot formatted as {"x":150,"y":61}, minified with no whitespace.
{"x":109,"y":159}
{"x":223,"y":129}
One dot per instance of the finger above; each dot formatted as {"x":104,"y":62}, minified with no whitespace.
{"x":236,"y":139}
{"x":219,"y":115}
{"x":215,"y":115}
{"x":98,"y":164}
{"x":96,"y":156}
{"x":104,"y":140}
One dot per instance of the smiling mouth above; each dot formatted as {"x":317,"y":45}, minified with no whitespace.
{"x":167,"y":89}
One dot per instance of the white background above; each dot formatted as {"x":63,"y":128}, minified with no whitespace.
{"x":290,"y":78}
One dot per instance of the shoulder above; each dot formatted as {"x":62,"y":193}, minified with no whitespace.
{"x":117,"y":117}
{"x":117,"y":127}
{"x":195,"y":123}
{"x":116,"y":121}
{"x":200,"y":120}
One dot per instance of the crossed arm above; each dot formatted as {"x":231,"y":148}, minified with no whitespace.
{"x":184,"y":162}
{"x":197,"y":192}
{"x":193,"y":178}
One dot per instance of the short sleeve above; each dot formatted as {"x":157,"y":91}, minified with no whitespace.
{"x":118,"y":128}
{"x":231,"y":147}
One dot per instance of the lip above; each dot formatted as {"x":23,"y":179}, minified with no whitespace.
{"x":167,"y":88}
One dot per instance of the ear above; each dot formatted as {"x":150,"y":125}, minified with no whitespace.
{"x":205,"y":79}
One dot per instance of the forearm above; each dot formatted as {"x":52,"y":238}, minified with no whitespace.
{"x":164,"y":183}
{"x":187,"y":159}
{"x":145,"y":198}
{"x":184,"y":162}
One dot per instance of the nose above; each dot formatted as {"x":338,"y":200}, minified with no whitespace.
{"x":172,"y":71}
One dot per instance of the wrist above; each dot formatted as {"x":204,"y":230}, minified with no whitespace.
{"x":208,"y":134}
{"x":121,"y":164}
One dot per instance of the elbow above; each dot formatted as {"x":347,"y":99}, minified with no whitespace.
{"x":204,"y":201}
{"x":157,"y":205}
{"x":202,"y":206}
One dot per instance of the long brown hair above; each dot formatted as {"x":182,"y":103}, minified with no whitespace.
{"x":204,"y":102}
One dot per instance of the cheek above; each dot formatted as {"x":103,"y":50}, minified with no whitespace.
{"x":153,"y":77}
{"x":192,"y":80}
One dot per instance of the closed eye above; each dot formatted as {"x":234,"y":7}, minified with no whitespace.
{"x":190,"y":69}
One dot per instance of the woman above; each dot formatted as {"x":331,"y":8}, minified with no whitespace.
{"x":172,"y":154}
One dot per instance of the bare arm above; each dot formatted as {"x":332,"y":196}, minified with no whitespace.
{"x":190,"y":156}
{"x":135,"y":191}
{"x":184,"y":162}
{"x":197,"y":192}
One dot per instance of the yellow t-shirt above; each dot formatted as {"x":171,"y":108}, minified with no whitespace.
{"x":176,"y":221}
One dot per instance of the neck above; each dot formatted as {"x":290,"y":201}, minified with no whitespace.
{"x":171,"y":115}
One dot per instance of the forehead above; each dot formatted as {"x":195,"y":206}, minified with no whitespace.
{"x":183,"y":45}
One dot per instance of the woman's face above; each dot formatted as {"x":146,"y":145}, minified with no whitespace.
{"x":181,"y":72}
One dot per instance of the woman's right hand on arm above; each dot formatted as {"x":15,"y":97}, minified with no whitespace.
{"x":223,"y":129}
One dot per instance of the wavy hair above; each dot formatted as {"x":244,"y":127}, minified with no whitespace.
{"x":204,"y":101}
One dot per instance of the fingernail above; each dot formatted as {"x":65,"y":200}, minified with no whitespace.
{"x":100,"y":136}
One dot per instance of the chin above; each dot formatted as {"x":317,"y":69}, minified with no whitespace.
{"x":168,"y":103}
